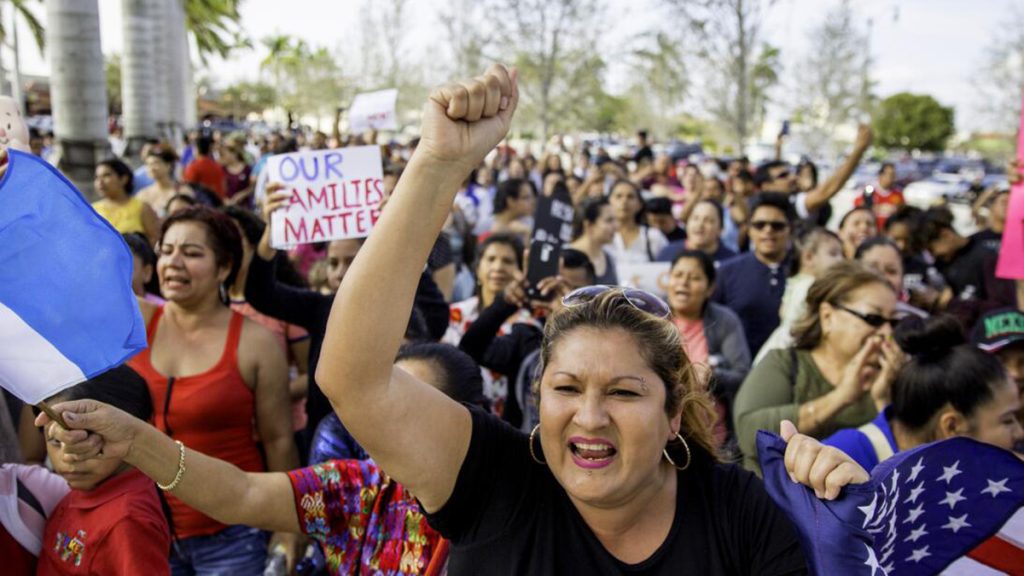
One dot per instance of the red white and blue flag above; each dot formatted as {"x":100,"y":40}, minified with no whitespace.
{"x":952,"y":507}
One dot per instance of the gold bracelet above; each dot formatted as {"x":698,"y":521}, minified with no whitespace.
{"x":181,"y":469}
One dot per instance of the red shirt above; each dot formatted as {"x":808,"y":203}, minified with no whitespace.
{"x":116,"y":528}
{"x":212,"y":413}
{"x":206,"y":171}
{"x":18,"y":561}
{"x":884,"y":203}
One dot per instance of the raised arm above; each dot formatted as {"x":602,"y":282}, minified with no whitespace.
{"x":297,"y":306}
{"x":214,"y":487}
{"x":824,"y":192}
{"x":413,"y":431}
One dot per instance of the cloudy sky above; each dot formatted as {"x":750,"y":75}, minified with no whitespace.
{"x":928,"y":46}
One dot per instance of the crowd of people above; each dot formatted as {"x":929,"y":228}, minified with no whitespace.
{"x":409,"y":404}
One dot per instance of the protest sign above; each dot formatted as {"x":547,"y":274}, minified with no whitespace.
{"x":1011,"y":254}
{"x":335,"y":194}
{"x":649,"y":276}
{"x":373,"y":111}
{"x":552,"y":227}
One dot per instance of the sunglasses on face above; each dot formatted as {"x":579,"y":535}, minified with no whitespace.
{"x":775,"y":225}
{"x":639,"y":299}
{"x":873,"y":320}
{"x":781,"y":175}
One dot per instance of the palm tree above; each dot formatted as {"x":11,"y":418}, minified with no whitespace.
{"x":77,"y":72}
{"x":278,"y":47}
{"x":77,"y":88}
{"x":158,"y":76}
{"x":281,"y":52}
{"x":215,"y":26}
{"x":138,"y":72}
{"x":21,"y":11}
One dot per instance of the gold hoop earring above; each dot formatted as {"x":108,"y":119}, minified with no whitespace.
{"x":689,"y":456}
{"x":532,"y":453}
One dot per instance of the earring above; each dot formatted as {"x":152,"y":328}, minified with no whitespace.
{"x":532,"y":453}
{"x":689,"y":456}
{"x":223,"y":293}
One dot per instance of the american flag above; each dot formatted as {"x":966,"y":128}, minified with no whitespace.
{"x":952,"y":507}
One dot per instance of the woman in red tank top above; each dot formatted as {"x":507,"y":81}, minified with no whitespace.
{"x":213,"y":375}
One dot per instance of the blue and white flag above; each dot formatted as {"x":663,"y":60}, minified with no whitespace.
{"x":952,"y":507}
{"x":67,"y":311}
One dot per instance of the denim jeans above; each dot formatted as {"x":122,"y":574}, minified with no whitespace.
{"x":235,"y":550}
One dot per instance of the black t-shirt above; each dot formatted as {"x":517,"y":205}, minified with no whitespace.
{"x":966,"y":272}
{"x":643,"y":153}
{"x":989,"y":239}
{"x":508,"y":515}
{"x":440,"y":255}
{"x":676,"y":234}
{"x":918,"y":274}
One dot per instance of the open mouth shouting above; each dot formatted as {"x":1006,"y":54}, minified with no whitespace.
{"x":175,"y":281}
{"x":591,"y":453}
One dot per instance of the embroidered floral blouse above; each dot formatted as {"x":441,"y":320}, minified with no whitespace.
{"x":365,"y":522}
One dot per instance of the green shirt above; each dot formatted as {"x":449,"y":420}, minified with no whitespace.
{"x":768,"y":396}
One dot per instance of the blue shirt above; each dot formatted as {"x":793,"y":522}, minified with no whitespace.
{"x":673,"y":249}
{"x":140,"y":179}
{"x":753,"y":290}
{"x":858,"y":446}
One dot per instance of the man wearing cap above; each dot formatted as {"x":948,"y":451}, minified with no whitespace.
{"x":1001,"y":332}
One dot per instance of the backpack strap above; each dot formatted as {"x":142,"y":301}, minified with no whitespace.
{"x":878,"y":441}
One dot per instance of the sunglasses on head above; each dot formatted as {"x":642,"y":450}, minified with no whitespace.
{"x":775,"y":225}
{"x":873,"y":320}
{"x":639,"y":299}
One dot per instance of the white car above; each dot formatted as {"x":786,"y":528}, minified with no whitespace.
{"x":937,"y":189}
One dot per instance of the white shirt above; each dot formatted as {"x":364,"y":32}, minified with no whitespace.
{"x":645,"y":247}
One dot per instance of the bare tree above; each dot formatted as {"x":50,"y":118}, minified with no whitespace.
{"x":833,"y":83}
{"x":553,"y":43}
{"x":467,"y":43}
{"x":661,"y":82}
{"x":1002,"y":73}
{"x":739,"y":69}
{"x":386,"y":61}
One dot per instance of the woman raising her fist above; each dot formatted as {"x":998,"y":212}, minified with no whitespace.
{"x":618,"y":476}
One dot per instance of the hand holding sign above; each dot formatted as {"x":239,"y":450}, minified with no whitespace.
{"x":463,"y":122}
{"x":276,"y":199}
{"x":335,"y":194}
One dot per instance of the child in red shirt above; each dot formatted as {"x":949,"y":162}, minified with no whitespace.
{"x":112,"y":521}
{"x":884,"y":198}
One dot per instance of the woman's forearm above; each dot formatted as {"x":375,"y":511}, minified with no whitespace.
{"x":215,"y":487}
{"x":819,"y":411}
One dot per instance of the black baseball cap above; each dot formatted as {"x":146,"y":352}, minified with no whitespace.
{"x":658,"y":205}
{"x":998,"y":329}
